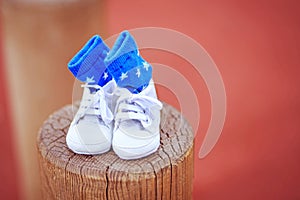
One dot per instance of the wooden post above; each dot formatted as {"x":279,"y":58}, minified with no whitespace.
{"x":166,"y":174}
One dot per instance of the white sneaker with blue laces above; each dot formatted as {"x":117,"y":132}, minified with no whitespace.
{"x":91,"y":129}
{"x":137,"y":118}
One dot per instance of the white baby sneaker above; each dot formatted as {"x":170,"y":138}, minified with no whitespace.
{"x":91,"y":129}
{"x":137,"y":118}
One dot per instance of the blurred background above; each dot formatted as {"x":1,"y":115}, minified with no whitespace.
{"x":255,"y":44}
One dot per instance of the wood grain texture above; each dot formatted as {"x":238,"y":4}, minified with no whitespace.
{"x":166,"y":174}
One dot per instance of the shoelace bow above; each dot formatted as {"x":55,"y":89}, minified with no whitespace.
{"x":135,"y":106}
{"x":95,"y":104}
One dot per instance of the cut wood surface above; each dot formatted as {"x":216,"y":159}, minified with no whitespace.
{"x":166,"y":174}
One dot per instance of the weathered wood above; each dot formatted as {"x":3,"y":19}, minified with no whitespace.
{"x":166,"y":174}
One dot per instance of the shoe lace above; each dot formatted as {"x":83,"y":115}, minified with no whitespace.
{"x":94,"y":104}
{"x":135,"y":107}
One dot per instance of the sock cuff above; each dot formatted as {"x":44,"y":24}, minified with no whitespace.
{"x":124,"y":45}
{"x":131,"y":71}
{"x":126,"y":65}
{"x":89,"y":59}
{"x":121,"y":63}
{"x":117,"y":59}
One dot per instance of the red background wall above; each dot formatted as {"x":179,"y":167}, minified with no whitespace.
{"x":256,"y":46}
{"x":8,"y":166}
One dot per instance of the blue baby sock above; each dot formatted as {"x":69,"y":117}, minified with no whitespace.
{"x":88,"y":64}
{"x":126,"y":66}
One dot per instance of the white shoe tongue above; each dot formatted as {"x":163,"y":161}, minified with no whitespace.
{"x":91,"y":118}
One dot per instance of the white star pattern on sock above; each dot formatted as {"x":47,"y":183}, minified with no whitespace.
{"x":90,"y":79}
{"x":123,"y":76}
{"x":146,"y":65}
{"x":105,"y":75}
{"x":138,"y":73}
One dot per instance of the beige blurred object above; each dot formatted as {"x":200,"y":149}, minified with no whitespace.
{"x":40,"y":37}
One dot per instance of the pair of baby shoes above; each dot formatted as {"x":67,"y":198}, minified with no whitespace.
{"x":119,"y":106}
